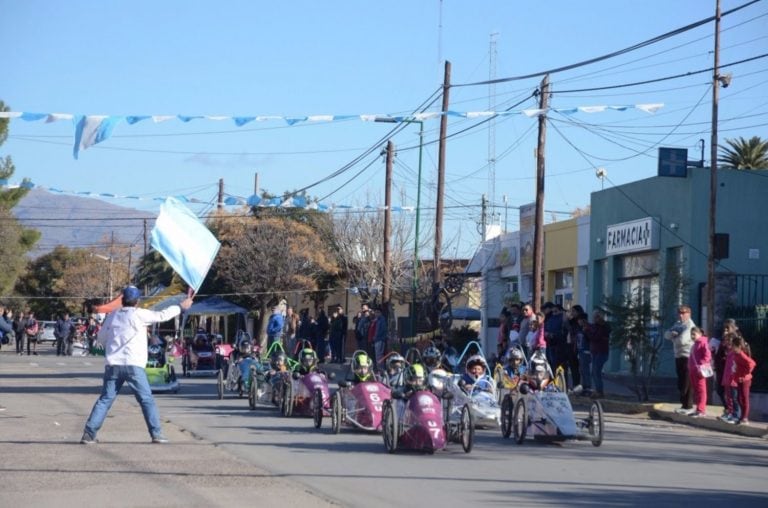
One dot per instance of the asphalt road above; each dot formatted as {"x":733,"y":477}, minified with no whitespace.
{"x":288,"y":462}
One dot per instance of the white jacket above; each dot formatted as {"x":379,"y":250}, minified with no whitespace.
{"x":124,"y":334}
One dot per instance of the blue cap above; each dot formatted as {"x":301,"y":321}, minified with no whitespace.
{"x":131,"y":294}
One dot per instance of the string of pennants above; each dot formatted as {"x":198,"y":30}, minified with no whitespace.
{"x":230,"y":200}
{"x":93,"y":129}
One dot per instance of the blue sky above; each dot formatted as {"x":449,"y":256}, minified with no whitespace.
{"x":364,"y":57}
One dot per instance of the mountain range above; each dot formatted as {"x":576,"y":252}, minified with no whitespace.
{"x":81,"y":222}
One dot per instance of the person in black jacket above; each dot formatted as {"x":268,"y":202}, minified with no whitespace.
{"x":64,"y":331}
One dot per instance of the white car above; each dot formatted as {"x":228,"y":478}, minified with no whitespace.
{"x":45,"y":332}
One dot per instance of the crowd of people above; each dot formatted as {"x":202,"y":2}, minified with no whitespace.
{"x":567,"y":338}
{"x":727,"y":359}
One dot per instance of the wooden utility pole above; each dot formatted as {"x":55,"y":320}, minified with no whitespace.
{"x":220,"y":204}
{"x":256,"y":185}
{"x":538,"y":242}
{"x":146,"y":249}
{"x":386,"y":279}
{"x":437,"y":275}
{"x":710,"y":297}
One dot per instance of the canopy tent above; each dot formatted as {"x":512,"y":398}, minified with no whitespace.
{"x":213,"y":306}
{"x":464,"y":313}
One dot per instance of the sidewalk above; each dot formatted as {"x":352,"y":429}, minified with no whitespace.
{"x":45,"y":465}
{"x":620,"y":399}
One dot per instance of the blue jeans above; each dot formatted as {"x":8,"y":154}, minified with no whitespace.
{"x":598,"y":360}
{"x":114,"y":378}
{"x":585,"y":366}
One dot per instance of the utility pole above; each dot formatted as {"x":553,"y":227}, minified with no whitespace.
{"x":111,"y":260}
{"x":483,"y":217}
{"x":220,"y":204}
{"x":538,"y":243}
{"x":386,"y":282}
{"x":256,"y":185}
{"x":145,"y":238}
{"x":437,"y":274}
{"x":710,"y":297}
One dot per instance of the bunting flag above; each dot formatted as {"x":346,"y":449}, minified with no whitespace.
{"x":93,"y":129}
{"x":185,"y":242}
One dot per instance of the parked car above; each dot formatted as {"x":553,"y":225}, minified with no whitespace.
{"x":45,"y":332}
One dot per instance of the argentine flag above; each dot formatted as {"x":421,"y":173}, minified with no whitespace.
{"x":184,"y":241}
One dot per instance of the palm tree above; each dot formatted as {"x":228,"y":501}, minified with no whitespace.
{"x":745,"y":154}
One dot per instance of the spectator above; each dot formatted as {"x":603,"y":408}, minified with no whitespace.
{"x":323,"y":326}
{"x":537,"y":339}
{"x":553,"y":332}
{"x":291,"y":328}
{"x":569,"y":353}
{"x":699,"y":369}
{"x":64,"y":331}
{"x":91,"y":332}
{"x":274,"y":326}
{"x":680,"y":335}
{"x":124,"y":336}
{"x":743,"y":366}
{"x":599,"y":336}
{"x":502,"y":337}
{"x":31,"y":331}
{"x":338,"y":330}
{"x":6,"y":326}
{"x":380,"y":336}
{"x":585,"y":356}
{"x":525,"y":322}
{"x":362,"y":323}
{"x":730,"y":330}
{"x":19,"y":330}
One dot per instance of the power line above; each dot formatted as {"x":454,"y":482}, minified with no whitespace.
{"x":613,"y":54}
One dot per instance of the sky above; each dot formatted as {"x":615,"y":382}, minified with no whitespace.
{"x":299,"y":58}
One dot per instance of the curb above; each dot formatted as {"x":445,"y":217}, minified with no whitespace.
{"x":667,"y":412}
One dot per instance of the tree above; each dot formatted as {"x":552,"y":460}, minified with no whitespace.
{"x":16,"y":241}
{"x":745,"y":154}
{"x":263,"y":259}
{"x":636,"y":322}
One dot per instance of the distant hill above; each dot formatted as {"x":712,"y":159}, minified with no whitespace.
{"x":80,"y":222}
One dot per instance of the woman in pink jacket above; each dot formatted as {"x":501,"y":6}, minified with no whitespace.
{"x":699,"y":364}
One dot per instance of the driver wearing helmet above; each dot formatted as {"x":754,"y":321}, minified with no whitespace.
{"x":307,"y":361}
{"x":415,"y":379}
{"x":362,"y":368}
{"x":515,"y":367}
{"x":431,"y":358}
{"x":474,"y":375}
{"x":278,"y":364}
{"x":396,"y":371}
{"x":538,"y":377}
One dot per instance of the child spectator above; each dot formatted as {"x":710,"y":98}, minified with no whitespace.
{"x":699,"y":369}
{"x":741,"y":379}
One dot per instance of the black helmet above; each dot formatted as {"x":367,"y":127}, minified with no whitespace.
{"x":431,"y":356}
{"x":245,"y":347}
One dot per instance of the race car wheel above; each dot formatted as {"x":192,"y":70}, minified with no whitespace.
{"x":317,"y":408}
{"x":520,"y":421}
{"x":185,"y":365}
{"x":240,"y":388}
{"x":220,"y":384}
{"x":447,"y":416}
{"x":596,"y":428}
{"x":336,"y":413}
{"x":507,"y":407}
{"x":252,"y":391}
{"x":390,"y":427}
{"x":287,"y":398}
{"x":467,"y":429}
{"x":498,"y":381}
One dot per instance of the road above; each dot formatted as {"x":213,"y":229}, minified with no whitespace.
{"x":642,"y":461}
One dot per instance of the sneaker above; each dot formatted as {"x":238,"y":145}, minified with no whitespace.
{"x":698,"y":414}
{"x":743,"y":422}
{"x":88,"y":439}
{"x":685,"y":411}
{"x":578,"y":389}
{"x":726,"y":418}
{"x":159,"y":439}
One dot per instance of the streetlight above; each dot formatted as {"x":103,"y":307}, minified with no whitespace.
{"x":415,"y":282}
{"x":109,"y":273}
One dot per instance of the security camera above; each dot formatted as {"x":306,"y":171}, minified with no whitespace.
{"x":601,"y":173}
{"x":725,"y":79}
